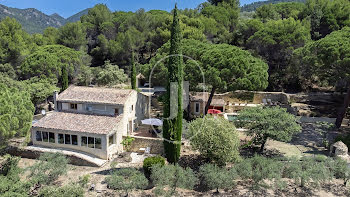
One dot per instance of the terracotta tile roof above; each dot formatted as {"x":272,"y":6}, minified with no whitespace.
{"x":94,"y":95}
{"x":78,"y":122}
{"x":203,"y":96}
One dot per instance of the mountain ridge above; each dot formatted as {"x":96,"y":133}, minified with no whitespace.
{"x":35,"y":21}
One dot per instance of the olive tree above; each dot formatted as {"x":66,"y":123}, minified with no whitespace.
{"x":268,"y":122}
{"x":215,"y":138}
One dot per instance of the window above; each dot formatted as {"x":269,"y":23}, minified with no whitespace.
{"x":83,"y":141}
{"x":98,"y":143}
{"x":74,"y":106}
{"x":91,"y":142}
{"x":45,"y":136}
{"x":116,"y":111}
{"x":60,"y":138}
{"x":111,"y":140}
{"x":74,"y":139}
{"x":38,"y":136}
{"x":197,"y":107}
{"x":51,"y":137}
{"x":67,"y":139}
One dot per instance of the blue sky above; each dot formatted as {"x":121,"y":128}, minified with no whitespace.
{"x":67,"y":8}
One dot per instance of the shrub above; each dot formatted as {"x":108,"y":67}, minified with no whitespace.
{"x":71,"y":190}
{"x":127,"y":179}
{"x":172,"y":176}
{"x":307,"y":171}
{"x":84,"y":180}
{"x":10,"y":182}
{"x":217,"y":178}
{"x":127,"y":142}
{"x":340,"y":169}
{"x":215,"y":138}
{"x":258,"y":169}
{"x":9,"y":165}
{"x":151,"y":161}
{"x":49,"y":168}
{"x":271,"y":122}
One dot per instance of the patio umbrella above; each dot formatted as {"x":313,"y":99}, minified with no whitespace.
{"x":152,"y":121}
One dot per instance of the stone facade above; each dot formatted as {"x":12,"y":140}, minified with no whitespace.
{"x":105,"y":123}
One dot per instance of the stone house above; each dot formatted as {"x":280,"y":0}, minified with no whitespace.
{"x":198,"y":101}
{"x":92,"y":120}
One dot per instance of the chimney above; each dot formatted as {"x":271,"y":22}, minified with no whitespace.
{"x":55,"y":95}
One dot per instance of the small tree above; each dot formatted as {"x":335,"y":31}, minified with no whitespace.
{"x":172,"y":176}
{"x":215,"y":138}
{"x":271,"y":122}
{"x":217,"y":178}
{"x":127,"y":179}
{"x":49,"y":168}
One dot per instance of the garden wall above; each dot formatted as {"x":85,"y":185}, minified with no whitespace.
{"x":35,"y":154}
{"x":156,"y":144}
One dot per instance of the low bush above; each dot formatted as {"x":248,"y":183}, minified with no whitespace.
{"x":173,"y":177}
{"x":308,"y":171}
{"x":71,"y":190}
{"x":258,"y":169}
{"x":84,"y":180}
{"x":217,"y":178}
{"x":49,"y":168}
{"x":127,"y":179}
{"x":340,"y":169}
{"x":151,"y":161}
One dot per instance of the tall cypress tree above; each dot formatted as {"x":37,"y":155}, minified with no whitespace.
{"x":133,"y":72}
{"x":64,"y":78}
{"x":172,"y":127}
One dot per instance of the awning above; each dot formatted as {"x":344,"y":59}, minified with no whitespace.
{"x":152,"y":121}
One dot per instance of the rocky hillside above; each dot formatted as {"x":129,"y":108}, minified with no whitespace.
{"x":77,"y":16}
{"x":34,"y":21}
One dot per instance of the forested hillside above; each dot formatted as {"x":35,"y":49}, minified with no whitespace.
{"x":274,"y":50}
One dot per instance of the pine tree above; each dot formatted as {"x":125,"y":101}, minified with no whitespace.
{"x":172,"y":127}
{"x":64,"y":78}
{"x":133,"y":72}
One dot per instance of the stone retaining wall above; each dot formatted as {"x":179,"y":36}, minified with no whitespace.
{"x":35,"y":154}
{"x":156,"y":144}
